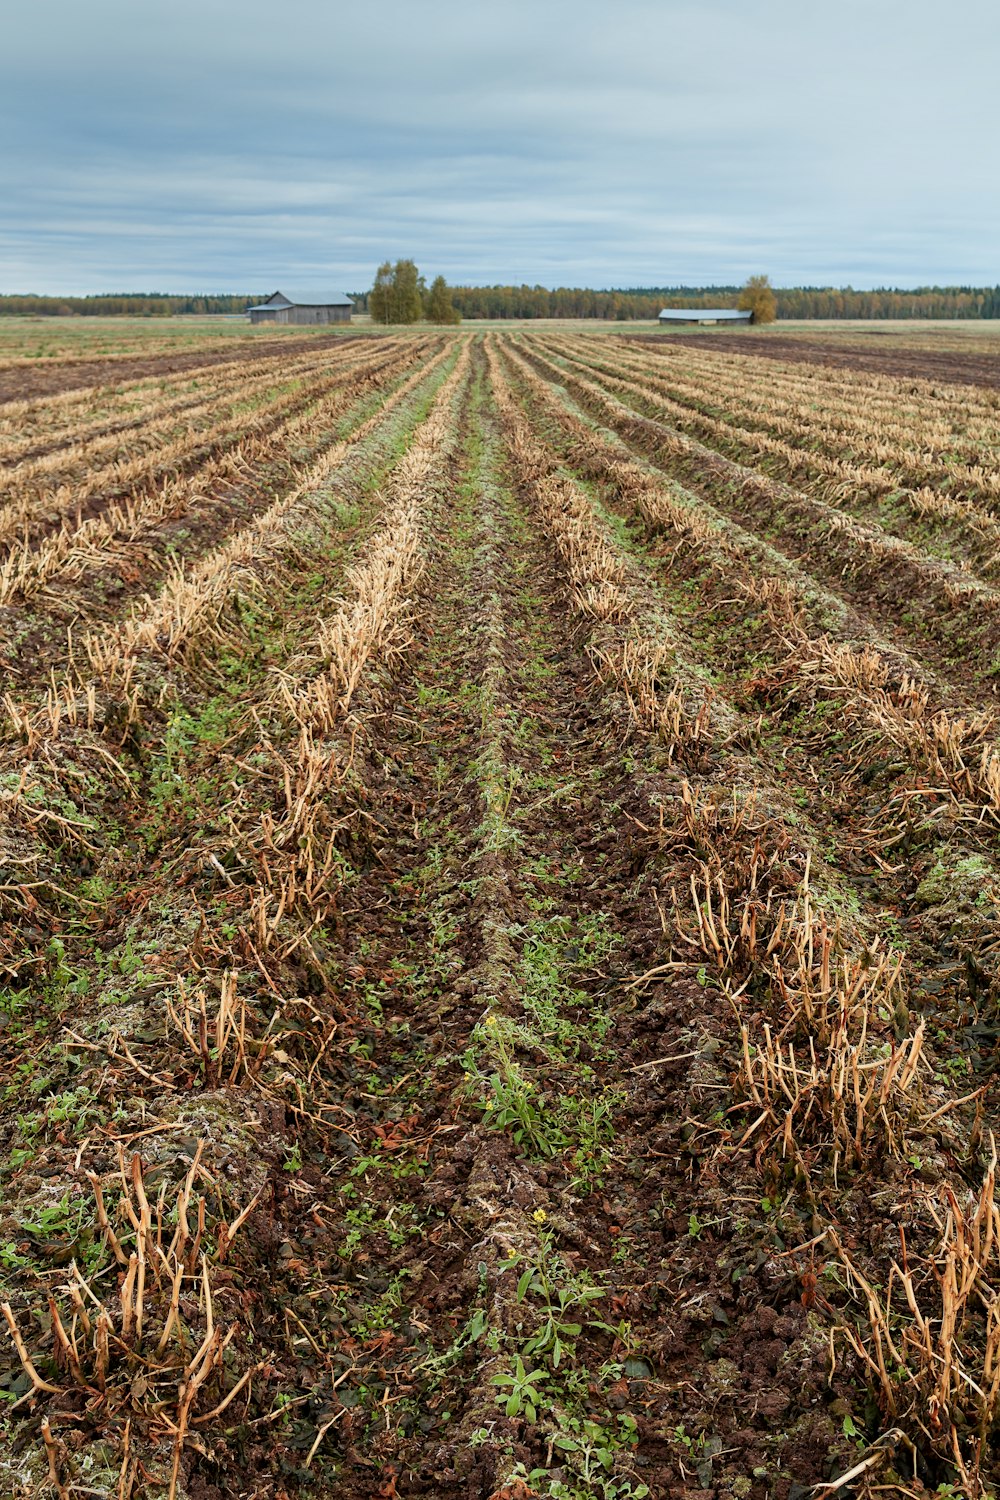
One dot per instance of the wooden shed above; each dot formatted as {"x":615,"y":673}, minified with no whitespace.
{"x":303,"y":307}
{"x":705,"y":315}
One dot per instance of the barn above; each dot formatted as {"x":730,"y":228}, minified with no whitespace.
{"x":303,"y":307}
{"x":705,"y":315}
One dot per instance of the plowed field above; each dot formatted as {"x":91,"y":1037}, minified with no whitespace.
{"x":22,"y":379}
{"x":954,"y":367}
{"x":498,"y":872}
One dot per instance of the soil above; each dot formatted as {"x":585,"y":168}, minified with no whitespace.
{"x":718,"y":1340}
{"x":950,"y":368}
{"x":957,"y":638}
{"x":489,"y":1108}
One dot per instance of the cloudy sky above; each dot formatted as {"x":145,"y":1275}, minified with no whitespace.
{"x":196,"y":145}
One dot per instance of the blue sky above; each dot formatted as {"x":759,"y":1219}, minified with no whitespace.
{"x":207,"y":145}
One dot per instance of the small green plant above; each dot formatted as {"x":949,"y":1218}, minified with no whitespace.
{"x":523,"y":1397}
{"x":852,"y":1430}
{"x":470,"y":1334}
{"x":513,"y":1102}
{"x":71,"y":1110}
{"x":691,"y":1443}
{"x":586,"y":1451}
{"x":595,"y":1446}
{"x":561,"y":1294}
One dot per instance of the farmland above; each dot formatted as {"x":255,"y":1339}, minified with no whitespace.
{"x":956,"y":356}
{"x":46,"y":356}
{"x":500,"y":921}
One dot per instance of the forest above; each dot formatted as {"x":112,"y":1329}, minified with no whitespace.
{"x":793,"y":302}
{"x":127,"y":304}
{"x":616,"y":305}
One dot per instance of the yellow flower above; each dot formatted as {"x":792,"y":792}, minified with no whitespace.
{"x":539,"y":1216}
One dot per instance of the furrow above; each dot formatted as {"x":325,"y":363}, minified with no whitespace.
{"x":37,"y":507}
{"x":933,"y":507}
{"x":872,"y":568}
{"x":142,"y":418}
{"x":212,"y":1033}
{"x":845,"y":1014}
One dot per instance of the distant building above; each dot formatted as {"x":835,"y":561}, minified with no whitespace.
{"x":303,"y":307}
{"x":705,"y":315}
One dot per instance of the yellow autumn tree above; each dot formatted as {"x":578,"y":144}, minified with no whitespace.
{"x":758,"y":297}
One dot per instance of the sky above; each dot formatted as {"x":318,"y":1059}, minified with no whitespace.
{"x":236,"y":145}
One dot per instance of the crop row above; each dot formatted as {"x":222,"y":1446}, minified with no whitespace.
{"x":266,"y":867}
{"x":910,"y":398}
{"x":51,"y":433}
{"x":893,"y":693}
{"x":40,"y":422}
{"x":827,"y":1087}
{"x":122,"y":531}
{"x":938,"y":520}
{"x":62,"y":485}
{"x":485,"y":1046}
{"x":184,"y":613}
{"x":958,"y":609}
{"x":159,"y":421}
{"x":871,"y":459}
{"x":946,"y":502}
{"x":848,"y":402}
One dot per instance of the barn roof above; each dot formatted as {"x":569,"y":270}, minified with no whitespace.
{"x":687,"y":314}
{"x":309,"y":299}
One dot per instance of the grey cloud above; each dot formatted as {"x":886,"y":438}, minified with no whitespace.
{"x":228,"y":145}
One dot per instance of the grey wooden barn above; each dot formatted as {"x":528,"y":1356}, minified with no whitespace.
{"x":303,"y":307}
{"x":705,"y":315}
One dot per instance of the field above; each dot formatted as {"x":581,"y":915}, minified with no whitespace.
{"x":30,"y":339}
{"x":45,"y":356}
{"x":948,"y":353}
{"x":500,"y":920}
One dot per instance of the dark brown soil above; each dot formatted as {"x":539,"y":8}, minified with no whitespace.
{"x":22,"y":382}
{"x":951,"y":368}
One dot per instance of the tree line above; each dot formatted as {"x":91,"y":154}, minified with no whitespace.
{"x":441,"y":303}
{"x":131,"y":304}
{"x":791,"y":302}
